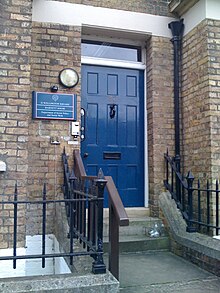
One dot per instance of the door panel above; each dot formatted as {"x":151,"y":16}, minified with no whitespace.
{"x":114,"y":128}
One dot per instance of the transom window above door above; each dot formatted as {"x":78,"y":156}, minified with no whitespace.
{"x":108,"y":50}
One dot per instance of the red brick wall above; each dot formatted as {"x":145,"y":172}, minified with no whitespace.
{"x":54,"y":47}
{"x":15,"y":44}
{"x":200,"y":105}
{"x":156,"y":7}
{"x":196,"y":103}
{"x":32,"y":60}
{"x":213,"y":31}
{"x":200,"y":95}
{"x":159,"y":113}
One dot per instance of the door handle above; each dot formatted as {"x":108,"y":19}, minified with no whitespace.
{"x":85,"y":155}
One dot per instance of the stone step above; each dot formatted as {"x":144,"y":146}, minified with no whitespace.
{"x":132,"y":212}
{"x":137,"y":226}
{"x":140,"y":244}
{"x":136,"y":236}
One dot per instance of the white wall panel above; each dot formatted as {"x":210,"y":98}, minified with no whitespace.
{"x":84,"y":15}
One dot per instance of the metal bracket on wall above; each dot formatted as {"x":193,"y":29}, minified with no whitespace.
{"x":54,"y":140}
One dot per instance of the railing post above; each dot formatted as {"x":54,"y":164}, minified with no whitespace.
{"x":199,"y":204}
{"x":113,"y":242}
{"x":98,"y":266}
{"x":44,"y":206}
{"x":172,"y":175}
{"x":167,"y":167}
{"x":71,"y":195}
{"x":177,"y":181}
{"x":15,"y":225}
{"x":190,"y":179}
{"x":208,"y":207}
{"x":217,"y":209}
{"x":71,"y":206}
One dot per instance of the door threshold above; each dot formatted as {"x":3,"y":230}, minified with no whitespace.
{"x":135,"y":212}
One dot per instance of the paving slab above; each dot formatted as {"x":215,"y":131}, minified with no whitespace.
{"x":163,"y":272}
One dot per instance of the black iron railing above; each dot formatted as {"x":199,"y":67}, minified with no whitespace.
{"x":199,"y":206}
{"x":83,"y":200}
{"x":84,"y":209}
{"x":117,"y":214}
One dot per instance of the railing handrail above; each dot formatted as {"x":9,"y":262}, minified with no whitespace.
{"x":85,"y":219}
{"x":117,"y":213}
{"x":120,"y":211}
{"x":79,"y":169}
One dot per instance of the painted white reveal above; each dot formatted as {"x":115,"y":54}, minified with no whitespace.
{"x":113,"y":19}
{"x":213,"y":9}
{"x":203,"y":9}
{"x":32,"y":267}
{"x":83,"y":15}
{"x":194,"y":16}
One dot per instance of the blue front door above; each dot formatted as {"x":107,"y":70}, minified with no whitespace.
{"x":112,"y":99}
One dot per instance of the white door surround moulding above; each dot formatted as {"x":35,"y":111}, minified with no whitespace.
{"x":125,"y":22}
{"x":113,"y":63}
{"x":85,"y":15}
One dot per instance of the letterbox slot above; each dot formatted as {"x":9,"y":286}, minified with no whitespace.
{"x":112,"y":156}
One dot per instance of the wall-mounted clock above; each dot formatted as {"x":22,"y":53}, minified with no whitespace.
{"x":68,"y":77}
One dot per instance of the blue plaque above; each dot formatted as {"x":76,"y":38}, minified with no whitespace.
{"x":57,"y":106}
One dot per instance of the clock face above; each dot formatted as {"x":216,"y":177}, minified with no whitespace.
{"x":68,"y":77}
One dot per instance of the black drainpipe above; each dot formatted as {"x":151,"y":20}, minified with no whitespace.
{"x":177,"y":28}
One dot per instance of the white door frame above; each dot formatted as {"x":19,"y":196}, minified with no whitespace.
{"x":130,"y":65}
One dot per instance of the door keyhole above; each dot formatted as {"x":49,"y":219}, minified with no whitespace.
{"x":112,"y":111}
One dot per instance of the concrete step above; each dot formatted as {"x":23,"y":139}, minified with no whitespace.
{"x":137,"y":243}
{"x":135,"y":237}
{"x":140,"y":226}
{"x":132,"y":212}
{"x":137,"y":226}
{"x":139,"y":222}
